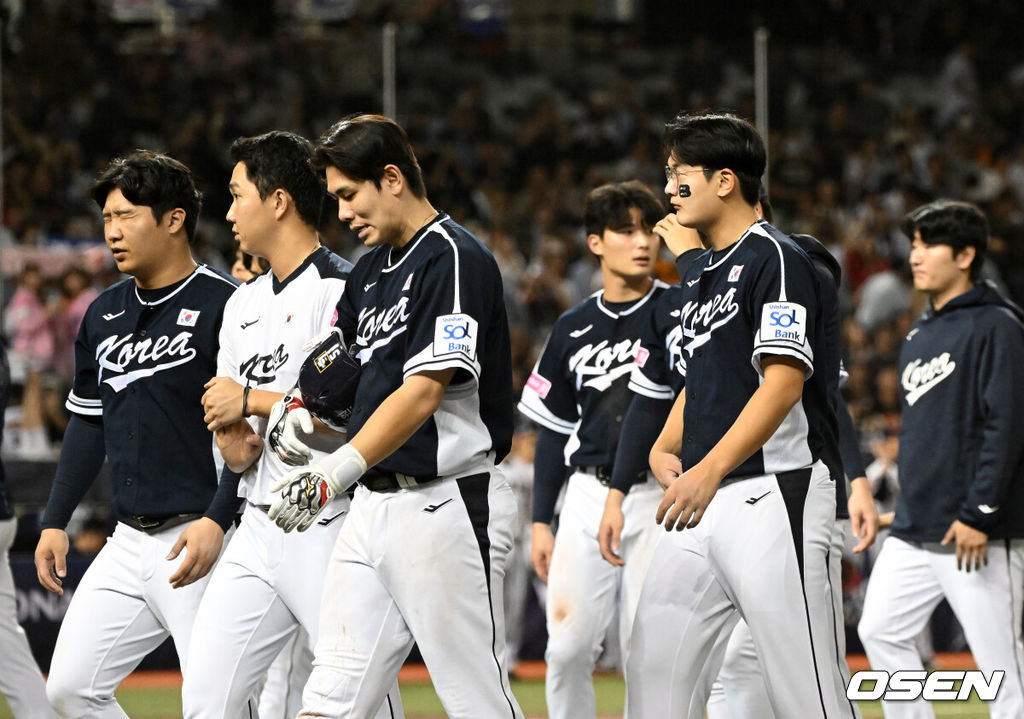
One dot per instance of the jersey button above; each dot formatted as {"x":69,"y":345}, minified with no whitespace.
{"x":693,"y":395}
{"x":128,"y":482}
{"x":131,"y":435}
{"x":142,"y":333}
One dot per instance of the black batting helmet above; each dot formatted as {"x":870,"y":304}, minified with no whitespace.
{"x":328,"y":379}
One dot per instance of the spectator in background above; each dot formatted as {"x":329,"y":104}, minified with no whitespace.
{"x":32,"y":349}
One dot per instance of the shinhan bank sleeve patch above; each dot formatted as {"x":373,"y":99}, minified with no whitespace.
{"x":455,"y":334}
{"x":539,"y":385}
{"x":783,"y":321}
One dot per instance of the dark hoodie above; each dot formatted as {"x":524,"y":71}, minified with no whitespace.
{"x":962,"y":429}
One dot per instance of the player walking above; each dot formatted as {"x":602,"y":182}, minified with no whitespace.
{"x":578,"y":394}
{"x":143,"y":352}
{"x":961,"y":465}
{"x":422,"y":554}
{"x":741,"y":452}
{"x":270,"y":583}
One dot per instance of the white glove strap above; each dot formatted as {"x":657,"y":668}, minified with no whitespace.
{"x":343,"y":468}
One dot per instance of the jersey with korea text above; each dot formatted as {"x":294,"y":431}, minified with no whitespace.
{"x":659,"y":369}
{"x":141,"y":360}
{"x":756,"y":299}
{"x":434,"y":304}
{"x":962,"y":400}
{"x":580,"y":384}
{"x":266,"y":324}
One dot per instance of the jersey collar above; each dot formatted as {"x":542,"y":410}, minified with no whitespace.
{"x":755,"y":228}
{"x":172,"y":290}
{"x":599,"y":298}
{"x":279,"y":286}
{"x":397,"y":256}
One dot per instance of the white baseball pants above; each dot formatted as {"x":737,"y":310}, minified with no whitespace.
{"x":761,"y":550}
{"x":907,"y":583}
{"x":20,"y":681}
{"x":584,"y":590}
{"x":123,"y":609}
{"x":424,"y":564}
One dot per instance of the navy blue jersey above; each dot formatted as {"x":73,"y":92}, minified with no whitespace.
{"x":141,"y":360}
{"x":961,"y":452}
{"x":434,"y":304}
{"x":580,"y":384}
{"x":659,"y":369}
{"x":755,"y":299}
{"x":6,"y":507}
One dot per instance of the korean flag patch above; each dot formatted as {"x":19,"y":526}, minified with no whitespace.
{"x":187,"y":318}
{"x":784,"y":321}
{"x":734,"y":273}
{"x":455,"y":334}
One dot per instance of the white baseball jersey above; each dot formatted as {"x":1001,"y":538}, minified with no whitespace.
{"x":264,"y":322}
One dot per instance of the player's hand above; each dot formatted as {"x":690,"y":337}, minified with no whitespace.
{"x":609,"y":534}
{"x":541,"y":546}
{"x":665,"y":466}
{"x":51,"y":559}
{"x":678,"y":239}
{"x":222,"y":402}
{"x":239,"y":445}
{"x":202,"y":540}
{"x":303,"y":493}
{"x":288,"y":419}
{"x":863,"y":513}
{"x":971,"y":545}
{"x":686,"y":499}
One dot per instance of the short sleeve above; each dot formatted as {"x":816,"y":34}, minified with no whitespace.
{"x":84,"y":398}
{"x":783,"y":304}
{"x":548,"y":397}
{"x":659,"y":354}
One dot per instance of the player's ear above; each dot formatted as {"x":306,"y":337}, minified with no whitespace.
{"x":392,"y":180}
{"x":175,"y":220}
{"x":726,"y":183}
{"x":595,"y":244}
{"x":281,"y":200}
{"x":965,"y":257}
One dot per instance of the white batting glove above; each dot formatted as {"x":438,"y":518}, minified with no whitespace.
{"x":289,"y":417}
{"x":303,"y":493}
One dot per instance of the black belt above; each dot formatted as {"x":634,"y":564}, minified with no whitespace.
{"x":382,"y":480}
{"x":151,"y":525}
{"x":603,"y":474}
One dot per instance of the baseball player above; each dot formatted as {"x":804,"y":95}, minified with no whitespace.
{"x":143,"y":352}
{"x":577,"y":394}
{"x":270,"y":583}
{"x":422,"y":555}
{"x":20,"y":680}
{"x":958,"y":532}
{"x":741,"y":453}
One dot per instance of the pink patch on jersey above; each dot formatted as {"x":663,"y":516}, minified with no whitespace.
{"x":334,"y":318}
{"x":641,"y":356}
{"x":539,"y":385}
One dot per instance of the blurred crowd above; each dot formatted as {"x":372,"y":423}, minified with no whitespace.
{"x":872,"y":113}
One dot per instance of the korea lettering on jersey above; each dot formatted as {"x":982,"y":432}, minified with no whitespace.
{"x":659,"y":370}
{"x":756,"y":299}
{"x":266,"y":323}
{"x":584,"y":372}
{"x":435,"y":304}
{"x":141,"y":366}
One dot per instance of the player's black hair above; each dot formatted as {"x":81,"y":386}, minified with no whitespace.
{"x":281,"y":160}
{"x":954,"y":223}
{"x":766,"y":206}
{"x":607,"y":207}
{"x":152,"y":180}
{"x":361,"y":146}
{"x":716,"y":141}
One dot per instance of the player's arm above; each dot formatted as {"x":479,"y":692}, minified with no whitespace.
{"x":861,"y":503}
{"x":549,"y":473}
{"x":641,"y":426}
{"x":226,"y":402}
{"x":664,"y":455}
{"x":203,"y":539}
{"x":81,"y":457}
{"x":1000,"y":377}
{"x":690,"y":493}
